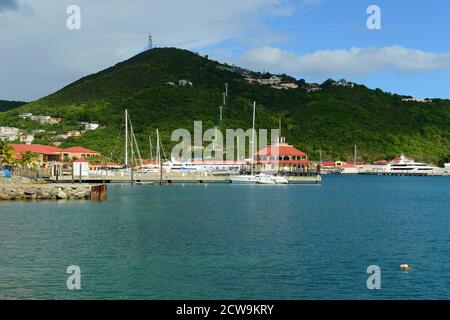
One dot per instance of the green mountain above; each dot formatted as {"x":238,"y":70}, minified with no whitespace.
{"x":333,"y":119}
{"x":8,"y":105}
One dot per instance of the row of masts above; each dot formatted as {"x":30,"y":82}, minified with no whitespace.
{"x":132,"y":145}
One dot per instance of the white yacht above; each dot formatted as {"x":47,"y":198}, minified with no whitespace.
{"x":404,"y":165}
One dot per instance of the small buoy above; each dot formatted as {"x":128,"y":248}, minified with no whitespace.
{"x":404,"y":267}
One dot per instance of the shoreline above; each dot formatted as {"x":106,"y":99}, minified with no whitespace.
{"x":51,"y":191}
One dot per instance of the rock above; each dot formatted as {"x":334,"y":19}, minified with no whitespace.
{"x":4,"y":197}
{"x":30,"y":192}
{"x":61,"y":195}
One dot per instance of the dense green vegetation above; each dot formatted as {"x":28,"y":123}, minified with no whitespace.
{"x":8,"y":105}
{"x":334,"y":119}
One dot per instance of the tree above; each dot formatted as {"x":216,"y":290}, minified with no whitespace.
{"x":7,"y":155}
{"x":444,"y":160}
{"x":30,"y":158}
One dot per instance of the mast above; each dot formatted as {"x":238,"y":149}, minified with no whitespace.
{"x":238,"y":156}
{"x":354,"y":156}
{"x":253,"y":137}
{"x":132,"y":158}
{"x":126,"y":138}
{"x":151,"y":148}
{"x":158,"y":154}
{"x":279,"y":126}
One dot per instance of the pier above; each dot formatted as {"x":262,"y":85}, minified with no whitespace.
{"x":168,"y":178}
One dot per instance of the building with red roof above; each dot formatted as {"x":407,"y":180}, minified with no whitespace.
{"x":45,"y":153}
{"x":78,"y":153}
{"x":283,"y":157}
{"x":52,"y":154}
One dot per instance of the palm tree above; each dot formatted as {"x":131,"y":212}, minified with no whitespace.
{"x":7,"y":155}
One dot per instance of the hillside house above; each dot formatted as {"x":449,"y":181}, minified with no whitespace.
{"x":9,"y":134}
{"x":89,"y":126}
{"x":313,"y":87}
{"x":272,"y":81}
{"x":184,"y":83}
{"x":27,"y":138}
{"x":343,"y":83}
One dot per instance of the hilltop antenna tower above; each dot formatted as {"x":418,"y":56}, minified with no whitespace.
{"x":150,"y":42}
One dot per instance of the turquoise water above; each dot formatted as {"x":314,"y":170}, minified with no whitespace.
{"x":234,"y":241}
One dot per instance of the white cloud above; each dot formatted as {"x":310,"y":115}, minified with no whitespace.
{"x":353,"y":62}
{"x":39,"y":55}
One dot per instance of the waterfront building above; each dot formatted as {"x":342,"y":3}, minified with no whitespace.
{"x":78,"y":152}
{"x":80,"y":167}
{"x":282,"y":157}
{"x":45,"y":153}
{"x":48,"y":154}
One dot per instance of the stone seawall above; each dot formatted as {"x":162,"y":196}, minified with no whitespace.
{"x":45,"y":192}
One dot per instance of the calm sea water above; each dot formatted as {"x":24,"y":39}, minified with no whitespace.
{"x":234,"y":241}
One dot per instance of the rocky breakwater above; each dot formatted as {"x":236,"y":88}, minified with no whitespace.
{"x":34,"y":190}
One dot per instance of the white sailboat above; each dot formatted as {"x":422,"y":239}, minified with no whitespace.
{"x":260,"y":178}
{"x":249,"y":178}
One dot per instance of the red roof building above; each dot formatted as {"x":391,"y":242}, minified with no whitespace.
{"x":52,"y":154}
{"x":78,"y":152}
{"x":45,"y":153}
{"x":283,"y":157}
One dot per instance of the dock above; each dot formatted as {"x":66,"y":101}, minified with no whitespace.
{"x":169,"y":178}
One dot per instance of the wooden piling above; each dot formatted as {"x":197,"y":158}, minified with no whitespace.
{"x":99,"y":192}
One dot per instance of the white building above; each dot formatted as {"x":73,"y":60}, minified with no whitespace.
{"x":73,"y":134}
{"x":89,"y":126}
{"x":416,"y":100}
{"x":80,"y":167}
{"x":343,"y":83}
{"x":9,"y":134}
{"x":26,"y":115}
{"x":288,"y":85}
{"x":27,"y":138}
{"x":184,"y":82}
{"x":272,"y":81}
{"x":40,"y":118}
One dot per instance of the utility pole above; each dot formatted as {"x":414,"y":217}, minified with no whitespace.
{"x":226,"y":89}
{"x":224,"y":99}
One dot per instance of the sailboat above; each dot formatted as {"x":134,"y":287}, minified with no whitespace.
{"x":260,"y":178}
{"x":249,"y":178}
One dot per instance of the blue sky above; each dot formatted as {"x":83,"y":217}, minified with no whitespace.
{"x":311,"y":39}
